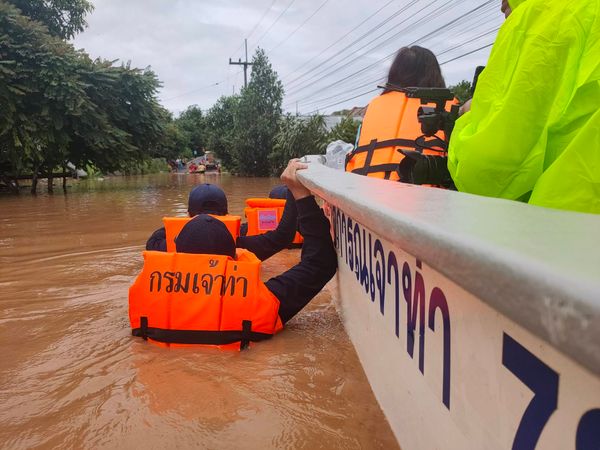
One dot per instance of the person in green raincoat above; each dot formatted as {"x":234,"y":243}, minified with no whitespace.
{"x":533,"y":131}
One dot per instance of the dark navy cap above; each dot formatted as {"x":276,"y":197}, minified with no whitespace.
{"x":205,"y":235}
{"x":207,"y":199}
{"x":279,"y":192}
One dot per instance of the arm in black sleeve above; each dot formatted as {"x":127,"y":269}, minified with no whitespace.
{"x":318,"y":262}
{"x":158,"y":241}
{"x":266,"y":245}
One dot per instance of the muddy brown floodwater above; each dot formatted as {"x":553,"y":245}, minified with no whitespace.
{"x":72,"y":376}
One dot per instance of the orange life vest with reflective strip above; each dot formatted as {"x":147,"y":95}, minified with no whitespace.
{"x":183,"y":298}
{"x":174,"y":225}
{"x":390,"y":123}
{"x":264,"y":214}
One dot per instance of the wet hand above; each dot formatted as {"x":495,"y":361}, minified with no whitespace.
{"x":290,"y":179}
{"x":465,"y":108}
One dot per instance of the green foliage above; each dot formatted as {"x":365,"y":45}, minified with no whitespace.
{"x":191,"y":123}
{"x":57,"y":105}
{"x":147,"y":166}
{"x":297,"y":137}
{"x":462,"y":91}
{"x":63,"y":18}
{"x":345,"y":131}
{"x":257,"y":118}
{"x":220,"y":134}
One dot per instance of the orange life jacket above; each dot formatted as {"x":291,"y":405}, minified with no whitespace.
{"x":183,"y":298}
{"x":264,"y":214}
{"x":174,"y":225}
{"x":390,"y":123}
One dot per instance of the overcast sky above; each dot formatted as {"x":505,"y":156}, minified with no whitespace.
{"x":329,"y":53}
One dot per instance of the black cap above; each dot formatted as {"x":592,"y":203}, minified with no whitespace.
{"x":279,"y":192}
{"x":206,"y":235}
{"x":207,"y":199}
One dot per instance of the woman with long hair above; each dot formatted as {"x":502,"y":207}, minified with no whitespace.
{"x":391,"y":121}
{"x":415,"y":67}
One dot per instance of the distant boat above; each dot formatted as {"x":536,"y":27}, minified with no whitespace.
{"x":477,"y":320}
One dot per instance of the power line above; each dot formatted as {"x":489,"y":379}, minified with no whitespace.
{"x":373,"y":90}
{"x":345,"y":63}
{"x":345,"y":100}
{"x":358,"y":39}
{"x":467,"y":54}
{"x":340,"y":39}
{"x":261,"y":19}
{"x":371,"y":82}
{"x":201,"y":88}
{"x":273,"y":24}
{"x":336,"y":67}
{"x":300,"y":26}
{"x":426,"y":36}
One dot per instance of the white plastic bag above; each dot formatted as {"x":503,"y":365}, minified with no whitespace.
{"x":336,"y":154}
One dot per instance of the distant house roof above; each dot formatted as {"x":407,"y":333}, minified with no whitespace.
{"x":358,"y":112}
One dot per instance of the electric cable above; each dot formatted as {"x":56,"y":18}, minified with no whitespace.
{"x":355,"y":41}
{"x":273,"y":24}
{"x":414,"y":25}
{"x":300,"y":26}
{"x":340,"y":39}
{"x":426,"y":36}
{"x":373,"y":90}
{"x":450,"y":25}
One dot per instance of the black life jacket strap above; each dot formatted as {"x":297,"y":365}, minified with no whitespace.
{"x":387,"y":168}
{"x":370,"y":150}
{"x":246,"y":334}
{"x":243,"y":336}
{"x":435,"y":144}
{"x":143,"y":328}
{"x":375,"y":144}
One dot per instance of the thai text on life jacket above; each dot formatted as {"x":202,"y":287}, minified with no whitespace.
{"x":182,"y":298}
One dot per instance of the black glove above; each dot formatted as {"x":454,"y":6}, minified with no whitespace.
{"x":416,"y":168}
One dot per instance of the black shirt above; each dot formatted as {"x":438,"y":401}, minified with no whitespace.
{"x":318,"y":262}
{"x":296,"y":287}
{"x":263,"y":245}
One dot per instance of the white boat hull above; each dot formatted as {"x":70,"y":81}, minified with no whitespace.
{"x":448,"y":370}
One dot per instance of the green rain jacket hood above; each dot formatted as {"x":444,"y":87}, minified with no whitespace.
{"x":533,"y":132}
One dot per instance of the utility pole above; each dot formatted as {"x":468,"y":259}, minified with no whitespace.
{"x":243,"y":63}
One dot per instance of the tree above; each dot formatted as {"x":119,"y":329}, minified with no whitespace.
{"x":57,"y":105}
{"x":191,"y":124}
{"x":63,"y":18}
{"x":219,"y":126}
{"x":257,"y":118}
{"x":345,"y":131}
{"x":462,"y":91}
{"x":297,"y":137}
{"x":174,"y":143}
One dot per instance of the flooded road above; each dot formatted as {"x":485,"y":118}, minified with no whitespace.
{"x":71,"y":375}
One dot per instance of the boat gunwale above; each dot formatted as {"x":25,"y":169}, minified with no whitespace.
{"x":495,"y":249}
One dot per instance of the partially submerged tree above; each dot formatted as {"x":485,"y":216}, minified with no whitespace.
{"x":257,"y":118}
{"x":191,"y":124}
{"x":220,"y":130}
{"x":57,"y":105}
